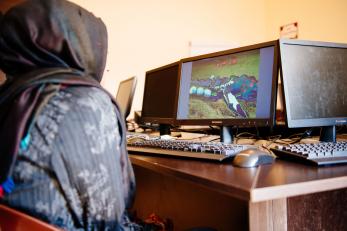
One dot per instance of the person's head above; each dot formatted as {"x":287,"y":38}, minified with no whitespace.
{"x":37,"y":34}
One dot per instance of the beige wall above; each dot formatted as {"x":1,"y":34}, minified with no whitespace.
{"x":322,"y":20}
{"x":147,"y":34}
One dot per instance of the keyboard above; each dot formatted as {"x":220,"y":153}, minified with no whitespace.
{"x":322,"y":153}
{"x":182,"y":148}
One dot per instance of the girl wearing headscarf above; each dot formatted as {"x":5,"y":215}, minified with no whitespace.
{"x":63,"y":157}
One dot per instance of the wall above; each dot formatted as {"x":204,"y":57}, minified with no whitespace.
{"x":147,"y":34}
{"x":322,"y":20}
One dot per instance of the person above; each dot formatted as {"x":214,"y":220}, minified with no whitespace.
{"x":62,"y":140}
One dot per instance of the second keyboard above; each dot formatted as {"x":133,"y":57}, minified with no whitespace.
{"x":322,"y":153}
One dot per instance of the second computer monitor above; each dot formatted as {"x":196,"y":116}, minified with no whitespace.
{"x":314,"y":78}
{"x":125,"y":94}
{"x":233,"y":87}
{"x":159,"y":96}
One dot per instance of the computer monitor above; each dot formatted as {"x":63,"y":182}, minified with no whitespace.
{"x":314,"y":79}
{"x":235,"y":87}
{"x":159,"y":97}
{"x":125,"y":94}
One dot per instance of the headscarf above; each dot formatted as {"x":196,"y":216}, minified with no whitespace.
{"x":44,"y":42}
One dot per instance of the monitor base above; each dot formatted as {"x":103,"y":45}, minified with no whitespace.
{"x":328,"y":134}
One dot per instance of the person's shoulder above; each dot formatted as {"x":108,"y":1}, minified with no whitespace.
{"x":80,"y":92}
{"x":89,"y":98}
{"x":83,"y":95}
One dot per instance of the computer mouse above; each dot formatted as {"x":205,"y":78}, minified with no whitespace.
{"x":252,"y":157}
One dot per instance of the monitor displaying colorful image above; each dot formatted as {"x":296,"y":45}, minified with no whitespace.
{"x":234,"y":85}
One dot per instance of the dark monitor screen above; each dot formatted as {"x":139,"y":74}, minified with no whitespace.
{"x":125,"y":94}
{"x":160,"y":94}
{"x":233,"y":87}
{"x":314,"y":78}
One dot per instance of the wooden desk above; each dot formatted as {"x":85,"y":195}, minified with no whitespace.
{"x":281,"y":196}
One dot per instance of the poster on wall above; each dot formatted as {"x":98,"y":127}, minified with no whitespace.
{"x":289,"y":31}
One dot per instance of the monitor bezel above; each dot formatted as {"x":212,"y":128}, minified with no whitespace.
{"x":300,"y":123}
{"x":132,"y":79}
{"x":160,"y":120}
{"x":248,"y":122}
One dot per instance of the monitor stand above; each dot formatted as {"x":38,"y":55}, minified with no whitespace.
{"x":328,"y":134}
{"x":164,"y":129}
{"x":226,"y":135}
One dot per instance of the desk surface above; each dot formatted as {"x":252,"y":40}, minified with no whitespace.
{"x":267,"y":182}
